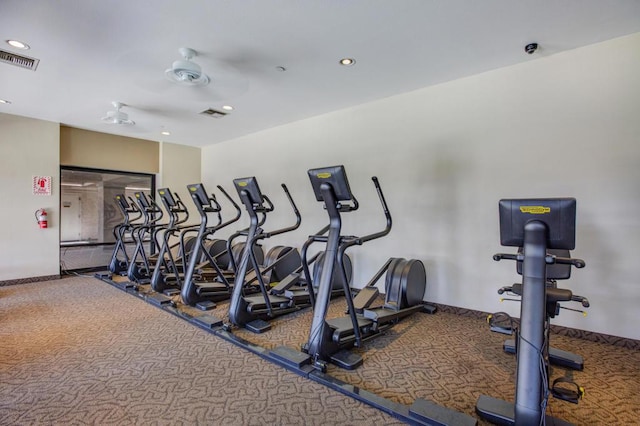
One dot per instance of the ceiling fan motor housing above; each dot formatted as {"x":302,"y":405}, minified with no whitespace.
{"x":186,"y":71}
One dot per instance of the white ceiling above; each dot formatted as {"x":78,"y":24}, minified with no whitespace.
{"x":94,"y":52}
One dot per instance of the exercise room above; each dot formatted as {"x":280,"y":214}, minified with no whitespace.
{"x":321,"y":212}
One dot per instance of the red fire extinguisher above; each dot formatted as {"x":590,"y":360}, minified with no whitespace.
{"x":41,"y":217}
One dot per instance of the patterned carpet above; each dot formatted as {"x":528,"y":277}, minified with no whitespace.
{"x":78,"y":351}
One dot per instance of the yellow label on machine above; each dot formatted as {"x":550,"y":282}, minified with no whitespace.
{"x":243,"y":184}
{"x":324,"y":175}
{"x":193,"y":189}
{"x":161,"y":192}
{"x":535,"y":209}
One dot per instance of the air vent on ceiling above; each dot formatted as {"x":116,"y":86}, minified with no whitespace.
{"x":19,"y":60}
{"x":213,"y":113}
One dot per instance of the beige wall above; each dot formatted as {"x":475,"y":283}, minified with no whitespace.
{"x":79,"y":147}
{"x":563,"y":125}
{"x":28,"y":148}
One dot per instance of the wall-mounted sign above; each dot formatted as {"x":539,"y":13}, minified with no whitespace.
{"x":42,"y":185}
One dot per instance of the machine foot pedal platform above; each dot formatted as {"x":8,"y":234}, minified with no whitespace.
{"x":347,"y":360}
{"x":207,"y":321}
{"x":126,"y":285}
{"x":159,"y":299}
{"x":290,"y":356}
{"x":207,"y":305}
{"x":258,"y":326}
{"x":171,"y":292}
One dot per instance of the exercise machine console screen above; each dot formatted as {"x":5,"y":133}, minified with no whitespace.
{"x":559,"y":215}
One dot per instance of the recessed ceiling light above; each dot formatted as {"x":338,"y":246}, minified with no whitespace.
{"x":347,"y":61}
{"x":166,"y":133}
{"x":4,"y":101}
{"x":18,"y":44}
{"x":227,"y":107}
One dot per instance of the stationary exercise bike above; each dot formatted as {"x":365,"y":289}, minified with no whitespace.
{"x":501,"y":322}
{"x":536,"y":225}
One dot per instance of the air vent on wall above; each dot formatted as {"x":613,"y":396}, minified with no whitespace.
{"x":19,"y":60}
{"x":213,"y":113}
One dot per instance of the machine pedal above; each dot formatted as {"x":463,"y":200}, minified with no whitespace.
{"x":567,"y":390}
{"x":366,"y":296}
{"x":258,"y":326}
{"x":347,"y":360}
{"x":207,"y":321}
{"x":290,"y":356}
{"x":171,"y":292}
{"x":159,"y":299}
{"x":501,"y":322}
{"x":206,"y":305}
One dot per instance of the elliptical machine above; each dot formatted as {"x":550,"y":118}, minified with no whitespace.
{"x":405,"y":280}
{"x":252,"y":312}
{"x":536,"y":225}
{"x":205,"y":294}
{"x":140,"y":271}
{"x":119,"y":263}
{"x":168,"y":271}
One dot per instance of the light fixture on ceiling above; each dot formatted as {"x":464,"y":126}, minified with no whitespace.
{"x":18,"y":44}
{"x":227,"y":107}
{"x":186,"y":72}
{"x":4,"y":101}
{"x":164,"y":132}
{"x":347,"y":62}
{"x":117,"y":116}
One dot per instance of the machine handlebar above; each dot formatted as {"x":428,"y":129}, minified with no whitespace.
{"x":550,"y":259}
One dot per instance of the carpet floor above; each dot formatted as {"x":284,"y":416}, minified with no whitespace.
{"x":78,"y":351}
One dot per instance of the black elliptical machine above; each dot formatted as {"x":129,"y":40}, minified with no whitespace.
{"x":536,"y":225}
{"x":139,"y":270}
{"x":253,"y":311}
{"x":119,"y":263}
{"x":195,"y":291}
{"x":405,"y":281}
{"x":169,"y":269}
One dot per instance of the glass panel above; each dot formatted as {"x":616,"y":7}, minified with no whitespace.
{"x":88,"y":213}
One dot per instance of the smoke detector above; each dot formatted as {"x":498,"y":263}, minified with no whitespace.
{"x":186,"y":72}
{"x":117,"y":116}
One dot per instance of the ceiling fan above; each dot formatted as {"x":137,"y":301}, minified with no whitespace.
{"x":186,"y":72}
{"x":117,"y":116}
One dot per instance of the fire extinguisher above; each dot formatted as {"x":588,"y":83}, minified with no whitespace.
{"x":41,"y":217}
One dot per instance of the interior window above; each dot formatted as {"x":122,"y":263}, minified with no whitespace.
{"x":88,"y":213}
